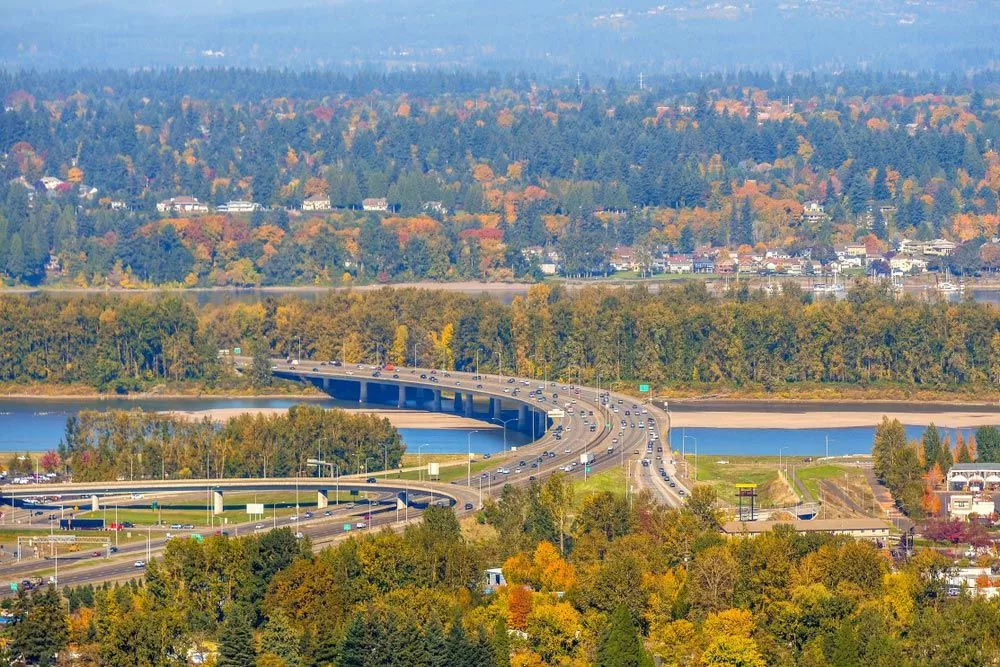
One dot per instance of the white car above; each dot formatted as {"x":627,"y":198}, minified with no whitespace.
{"x":140,"y":563}
{"x":360,"y":524}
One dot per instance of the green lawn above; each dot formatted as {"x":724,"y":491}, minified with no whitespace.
{"x":448,"y":473}
{"x":192,"y":510}
{"x":612,"y":480}
{"x":759,"y":470}
{"x":812,"y":476}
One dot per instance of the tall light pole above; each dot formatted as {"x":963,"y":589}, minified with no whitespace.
{"x":504,"y":422}
{"x":469,"y":462}
{"x":420,"y":460}
{"x":781,"y":449}
{"x":684,"y":439}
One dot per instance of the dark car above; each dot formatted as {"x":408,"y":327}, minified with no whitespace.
{"x":423,"y":376}
{"x":371,"y":480}
{"x":468,"y":506}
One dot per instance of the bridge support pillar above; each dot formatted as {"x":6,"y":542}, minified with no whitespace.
{"x":539,"y":424}
{"x":363,"y":393}
{"x":458,"y":401}
{"x":522,"y":418}
{"x":437,"y":400}
{"x":326,"y":385}
{"x":468,"y":405}
{"x":218,"y":506}
{"x":495,"y":408}
{"x":401,"y":399}
{"x":322,"y":498}
{"x":95,"y":503}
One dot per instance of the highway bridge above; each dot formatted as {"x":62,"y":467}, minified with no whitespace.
{"x":564,"y":421}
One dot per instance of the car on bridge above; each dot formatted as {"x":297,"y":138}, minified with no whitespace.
{"x":371,"y":480}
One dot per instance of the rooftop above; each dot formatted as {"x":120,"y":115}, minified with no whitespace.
{"x":803,"y":526}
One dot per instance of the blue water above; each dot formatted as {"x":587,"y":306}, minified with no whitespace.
{"x":790,"y":442}
{"x":39,"y":424}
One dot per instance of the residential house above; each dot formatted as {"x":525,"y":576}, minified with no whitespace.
{"x":702,"y":264}
{"x":904,"y":264}
{"x":548,"y":268}
{"x":376,"y":204}
{"x":856,"y":250}
{"x":182,"y":204}
{"x":866,"y":529}
{"x":316,"y":203}
{"x":239,"y":206}
{"x":963,"y":505}
{"x":724,"y":264}
{"x":813,"y":212}
{"x":939,"y":247}
{"x":680,"y":264}
{"x":623,"y":259}
{"x":435,"y":207}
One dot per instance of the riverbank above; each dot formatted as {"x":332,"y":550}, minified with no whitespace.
{"x":64,"y":392}
{"x":398,"y":418}
{"x":829,"y":419}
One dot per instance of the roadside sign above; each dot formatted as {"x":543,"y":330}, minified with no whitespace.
{"x":588,"y":468}
{"x":347,"y":527}
{"x":644,"y":388}
{"x":13,"y":585}
{"x":355,"y":492}
{"x":237,"y":351}
{"x":254,"y":509}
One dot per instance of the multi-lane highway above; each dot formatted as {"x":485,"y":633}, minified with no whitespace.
{"x":606,"y":428}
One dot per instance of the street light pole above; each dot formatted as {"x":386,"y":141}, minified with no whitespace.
{"x":420,"y":460}
{"x":504,"y":422}
{"x":684,"y":439}
{"x":469,"y":462}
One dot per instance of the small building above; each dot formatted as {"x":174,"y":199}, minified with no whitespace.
{"x":376,"y":204}
{"x":239,"y":206}
{"x":316,"y":203}
{"x":548,"y":268}
{"x":680,"y":264}
{"x":867,"y":529}
{"x":182,"y":204}
{"x":623,"y":259}
{"x":435,"y":207}
{"x":813,"y":212}
{"x":964,"y":505}
{"x":494,"y":579}
{"x":973,"y":477}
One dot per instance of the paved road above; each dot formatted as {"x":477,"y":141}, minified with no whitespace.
{"x":622,"y":430}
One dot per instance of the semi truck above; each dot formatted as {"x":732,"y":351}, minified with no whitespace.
{"x":81,"y":524}
{"x":586,"y":459}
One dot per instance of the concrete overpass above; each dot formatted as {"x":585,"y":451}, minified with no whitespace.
{"x":92,"y":492}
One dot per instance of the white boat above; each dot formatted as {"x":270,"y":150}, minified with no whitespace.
{"x":949,"y":287}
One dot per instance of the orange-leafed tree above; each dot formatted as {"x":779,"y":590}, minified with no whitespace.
{"x":519,"y":605}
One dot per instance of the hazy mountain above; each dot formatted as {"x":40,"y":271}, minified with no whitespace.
{"x":596,"y":36}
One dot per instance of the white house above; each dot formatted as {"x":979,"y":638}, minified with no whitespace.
{"x":316,"y":203}
{"x":961,"y":505}
{"x":181,"y":204}
{"x":378,"y":204}
{"x":680,"y":264}
{"x":239,"y":206}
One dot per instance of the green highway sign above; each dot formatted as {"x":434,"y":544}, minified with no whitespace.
{"x":347,"y":526}
{"x":13,"y":585}
{"x":644,"y":388}
{"x":588,"y":468}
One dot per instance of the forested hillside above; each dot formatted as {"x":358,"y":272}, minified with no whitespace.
{"x":482,"y":175}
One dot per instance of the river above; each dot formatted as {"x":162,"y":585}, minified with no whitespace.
{"x":38,"y":424}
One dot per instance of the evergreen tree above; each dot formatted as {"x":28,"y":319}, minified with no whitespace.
{"x":686,"y":242}
{"x":620,"y":645}
{"x":354,"y":649}
{"x":324,"y":652}
{"x":460,"y":649}
{"x":932,"y":446}
{"x":15,"y":257}
{"x":501,"y":644}
{"x":279,"y":638}
{"x":987,"y":445}
{"x":260,"y":368}
{"x":42,"y":628}
{"x":879,"y":228}
{"x":434,"y":640}
{"x":236,"y":640}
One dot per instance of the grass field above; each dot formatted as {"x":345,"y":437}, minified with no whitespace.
{"x":724,"y":472}
{"x":190,"y":509}
{"x":812,"y":475}
{"x":612,"y":480}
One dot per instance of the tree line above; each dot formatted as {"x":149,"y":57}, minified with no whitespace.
{"x":680,"y":338}
{"x":140,"y":445}
{"x":632,"y":580}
